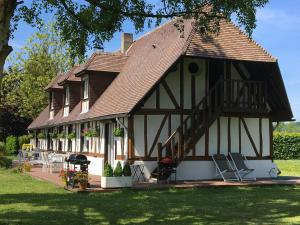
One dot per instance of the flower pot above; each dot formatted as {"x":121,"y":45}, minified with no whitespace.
{"x":82,"y":186}
{"x":116,"y":182}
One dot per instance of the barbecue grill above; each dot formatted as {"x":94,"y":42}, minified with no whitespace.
{"x":76,"y":160}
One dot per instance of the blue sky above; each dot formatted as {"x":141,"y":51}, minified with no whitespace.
{"x":278,"y":31}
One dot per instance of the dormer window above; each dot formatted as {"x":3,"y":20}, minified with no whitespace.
{"x":85,"y":88}
{"x":66,"y":101}
{"x":85,"y":95}
{"x":51,"y":113}
{"x":67,"y":95}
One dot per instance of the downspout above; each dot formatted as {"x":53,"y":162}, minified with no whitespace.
{"x":125,"y":139}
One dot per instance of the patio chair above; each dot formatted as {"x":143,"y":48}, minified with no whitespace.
{"x":21,"y":156}
{"x":224,"y":169}
{"x":47,"y":164}
{"x":239,"y":164}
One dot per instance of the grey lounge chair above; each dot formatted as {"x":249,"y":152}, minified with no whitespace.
{"x":238,"y":162}
{"x":224,"y":169}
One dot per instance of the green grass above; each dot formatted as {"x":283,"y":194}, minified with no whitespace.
{"x":25,"y":200}
{"x":289,"y":167}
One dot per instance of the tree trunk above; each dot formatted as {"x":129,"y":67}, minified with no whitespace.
{"x":7,"y":8}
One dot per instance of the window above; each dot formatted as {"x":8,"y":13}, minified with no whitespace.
{"x":85,"y":88}
{"x":51,"y":100}
{"x":67,"y":95}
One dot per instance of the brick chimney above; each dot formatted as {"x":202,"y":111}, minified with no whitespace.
{"x":127,"y":40}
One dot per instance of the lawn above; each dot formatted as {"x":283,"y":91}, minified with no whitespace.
{"x":24,"y":200}
{"x":289,"y":167}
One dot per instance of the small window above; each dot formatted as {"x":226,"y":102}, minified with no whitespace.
{"x":51,"y":100}
{"x":67,"y":95}
{"x":85,"y":88}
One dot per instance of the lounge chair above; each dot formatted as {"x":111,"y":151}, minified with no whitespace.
{"x":224,"y":169}
{"x":238,"y":162}
{"x":47,"y":164}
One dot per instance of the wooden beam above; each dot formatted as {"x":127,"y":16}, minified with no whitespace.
{"x":181,"y":85}
{"x":207,"y":142}
{"x":145,"y":136}
{"x":271,"y":129}
{"x":157,"y":135}
{"x":229,"y":134}
{"x":260,"y":138}
{"x":219,"y":136}
{"x":240,"y":136}
{"x":163,"y":111}
{"x":250,"y":137}
{"x":193,"y":94}
{"x":169,"y":92}
{"x":240,"y":71}
{"x":131,"y":152}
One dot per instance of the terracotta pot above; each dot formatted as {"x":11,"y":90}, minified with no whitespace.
{"x":82,"y":186}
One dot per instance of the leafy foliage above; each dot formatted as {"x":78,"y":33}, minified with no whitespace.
{"x":108,"y":171}
{"x":71,"y":136}
{"x":11,"y":145}
{"x":118,"y":172}
{"x":91,"y":23}
{"x":290,"y":127}
{"x":118,"y":132}
{"x":42,"y":58}
{"x":286,"y":145}
{"x":24,"y":139}
{"x":127,"y":170}
{"x":5,"y":162}
{"x":2,"y":148}
{"x":41,"y":135}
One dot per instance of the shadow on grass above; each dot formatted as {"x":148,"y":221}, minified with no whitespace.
{"x":191,"y":206}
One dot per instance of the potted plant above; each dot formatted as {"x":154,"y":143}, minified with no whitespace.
{"x":53,"y":135}
{"x":82,"y":178}
{"x":116,"y":178}
{"x":89,"y":133}
{"x":61,"y":136}
{"x":118,"y":132}
{"x":64,"y":177}
{"x":71,"y":136}
{"x":41,"y":135}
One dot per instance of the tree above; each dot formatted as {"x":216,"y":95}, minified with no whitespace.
{"x":32,"y":69}
{"x":89,"y":23}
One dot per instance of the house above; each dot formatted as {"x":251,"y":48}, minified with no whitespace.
{"x":171,"y":93}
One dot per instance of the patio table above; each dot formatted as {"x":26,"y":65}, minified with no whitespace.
{"x":138,"y":171}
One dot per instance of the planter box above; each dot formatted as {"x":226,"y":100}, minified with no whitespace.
{"x":116,"y":182}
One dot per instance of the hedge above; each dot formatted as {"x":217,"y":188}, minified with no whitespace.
{"x":11,"y":145}
{"x":286,"y":145}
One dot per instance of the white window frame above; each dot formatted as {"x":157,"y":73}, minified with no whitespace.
{"x":85,"y":91}
{"x":67,"y":95}
{"x":52,"y":101}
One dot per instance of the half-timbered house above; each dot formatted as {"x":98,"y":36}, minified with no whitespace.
{"x":173,"y":93}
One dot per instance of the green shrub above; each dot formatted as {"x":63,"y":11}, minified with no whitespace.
{"x":118,"y":132}
{"x":118,"y":172}
{"x":126,"y":170}
{"x":41,"y":135}
{"x":2,"y":148}
{"x":24,"y":139}
{"x":286,"y":146}
{"x":108,"y":171}
{"x":5,"y":162}
{"x":11,"y":145}
{"x":71,"y":136}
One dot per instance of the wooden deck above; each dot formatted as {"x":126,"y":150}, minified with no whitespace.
{"x":96,"y":183}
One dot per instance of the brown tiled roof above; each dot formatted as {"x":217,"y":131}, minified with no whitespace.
{"x":54,"y":83}
{"x":148,"y":59}
{"x":230,"y":43}
{"x":70,"y":75}
{"x":104,"y":61}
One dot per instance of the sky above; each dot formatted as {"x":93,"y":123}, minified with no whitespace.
{"x":278,"y":31}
